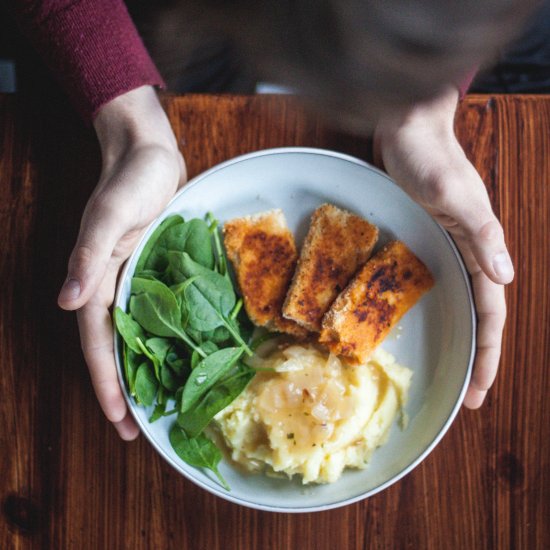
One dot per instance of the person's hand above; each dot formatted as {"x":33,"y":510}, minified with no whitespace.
{"x":419,"y":150}
{"x":141,"y":170}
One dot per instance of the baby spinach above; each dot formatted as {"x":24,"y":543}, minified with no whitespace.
{"x":151,"y":357}
{"x":218,"y":335}
{"x":180,"y":288}
{"x":158,"y":412}
{"x":146,"y":385}
{"x":197,"y":243}
{"x":206,"y":374}
{"x":155,"y":308}
{"x":184,"y":333}
{"x":131,"y":360}
{"x":168,"y":379}
{"x":159,"y":347}
{"x":154,"y":250}
{"x":195,"y":360}
{"x":222,"y":394}
{"x":199,"y":451}
{"x":149,"y":274}
{"x":209,"y":347}
{"x":128,"y":329}
{"x":180,"y":365}
{"x":216,"y":288}
{"x":221,"y":263}
{"x":209,"y":300}
{"x":191,"y":237}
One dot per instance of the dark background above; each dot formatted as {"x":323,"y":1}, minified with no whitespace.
{"x":214,"y":66}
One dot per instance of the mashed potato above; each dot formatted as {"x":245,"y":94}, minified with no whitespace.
{"x":312,"y":414}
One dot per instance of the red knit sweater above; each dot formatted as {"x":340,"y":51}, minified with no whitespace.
{"x":92,"y":47}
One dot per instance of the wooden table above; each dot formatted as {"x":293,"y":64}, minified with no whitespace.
{"x":67,"y":481}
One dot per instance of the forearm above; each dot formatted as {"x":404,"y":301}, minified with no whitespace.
{"x":438,"y":113}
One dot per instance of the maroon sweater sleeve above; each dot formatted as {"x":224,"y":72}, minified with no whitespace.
{"x":92,"y":47}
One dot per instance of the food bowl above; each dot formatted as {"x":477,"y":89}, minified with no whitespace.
{"x":436,"y":339}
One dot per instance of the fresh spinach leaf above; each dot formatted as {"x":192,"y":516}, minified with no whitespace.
{"x":215,"y":288}
{"x":128,"y":329}
{"x":177,"y":398}
{"x":162,"y":395}
{"x":180,"y":288}
{"x":199,"y":451}
{"x":206,"y":374}
{"x":244,"y":325}
{"x":156,"y":309}
{"x":153,"y":254}
{"x":167,"y":378}
{"x":191,"y":237}
{"x":236,"y":309}
{"x":146,"y":385}
{"x":160,"y":408}
{"x":209,"y":347}
{"x":221,"y":395}
{"x":195,"y":360}
{"x":131,"y":360}
{"x":151,"y":357}
{"x":180,"y":365}
{"x":159,"y":347}
{"x":221,"y":260}
{"x":179,"y":292}
{"x":210,"y":299}
{"x":149,"y":274}
{"x":218,"y":335}
{"x":201,"y":316}
{"x":197,"y":243}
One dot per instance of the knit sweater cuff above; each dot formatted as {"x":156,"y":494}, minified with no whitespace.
{"x":93,"y":49}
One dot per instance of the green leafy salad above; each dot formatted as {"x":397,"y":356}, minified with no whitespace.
{"x":185,"y":335}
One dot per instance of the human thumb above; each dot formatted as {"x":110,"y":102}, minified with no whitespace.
{"x":471,"y":210}
{"x":99,"y":232}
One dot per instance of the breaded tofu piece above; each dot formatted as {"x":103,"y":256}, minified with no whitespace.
{"x":382,"y":292}
{"x":338,"y":243}
{"x":263,"y":253}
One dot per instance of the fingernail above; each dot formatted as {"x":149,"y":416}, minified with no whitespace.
{"x":502,"y":264}
{"x":127,"y":428}
{"x":70,"y":290}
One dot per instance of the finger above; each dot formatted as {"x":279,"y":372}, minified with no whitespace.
{"x":464,"y":198}
{"x":474,"y":398}
{"x":101,"y":229}
{"x":96,"y":337}
{"x":491,"y":316}
{"x":127,"y":428}
{"x":491,"y":313}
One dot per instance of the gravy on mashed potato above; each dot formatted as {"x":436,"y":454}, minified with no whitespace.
{"x":309,"y":413}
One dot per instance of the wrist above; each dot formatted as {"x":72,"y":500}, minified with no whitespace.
{"x":436,"y":114}
{"x":131,"y":120}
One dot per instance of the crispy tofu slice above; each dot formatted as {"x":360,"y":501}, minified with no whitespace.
{"x":263,"y":253}
{"x":382,"y":292}
{"x":337,"y":244}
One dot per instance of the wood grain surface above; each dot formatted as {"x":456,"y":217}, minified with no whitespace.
{"x":67,"y":481}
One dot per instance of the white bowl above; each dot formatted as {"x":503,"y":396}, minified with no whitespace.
{"x":436,"y":338}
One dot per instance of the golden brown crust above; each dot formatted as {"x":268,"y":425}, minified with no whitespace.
{"x":337,"y":244}
{"x":381,"y":293}
{"x":263,"y":254}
